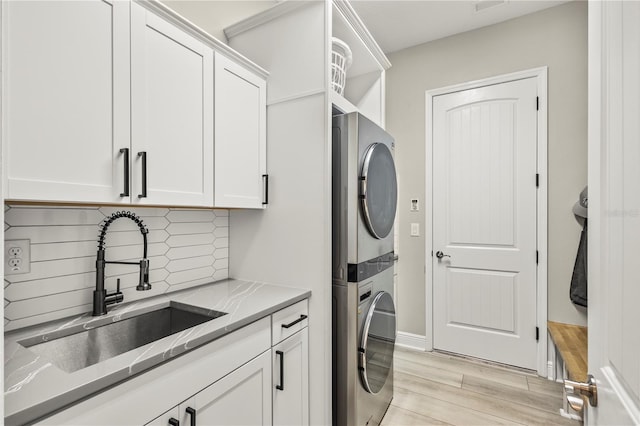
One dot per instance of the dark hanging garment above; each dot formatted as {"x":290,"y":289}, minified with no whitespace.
{"x":578,"y":290}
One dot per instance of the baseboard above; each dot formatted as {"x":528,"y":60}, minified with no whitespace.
{"x":411,"y":341}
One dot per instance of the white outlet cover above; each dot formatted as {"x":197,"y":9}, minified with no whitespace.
{"x":17,"y":257}
{"x":415,"y":229}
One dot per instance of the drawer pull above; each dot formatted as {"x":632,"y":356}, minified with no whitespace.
{"x":174,"y":422}
{"x":291,"y":324}
{"x":265,"y":197}
{"x":281,"y":385}
{"x":143,"y":154}
{"x":192,"y":413}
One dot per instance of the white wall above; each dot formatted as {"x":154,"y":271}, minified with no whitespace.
{"x":214,"y":16}
{"x":289,"y":243}
{"x":555,"y":37}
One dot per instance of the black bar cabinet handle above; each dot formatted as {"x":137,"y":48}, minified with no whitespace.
{"x":174,"y":422}
{"x":125,"y":151}
{"x":191,"y":412}
{"x":143,"y":154}
{"x":265,"y":180}
{"x":291,"y":324}
{"x":281,"y":385}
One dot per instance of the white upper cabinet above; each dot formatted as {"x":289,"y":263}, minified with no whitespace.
{"x":66,"y":99}
{"x":171,"y":114}
{"x":113,"y":102}
{"x":240,"y":136}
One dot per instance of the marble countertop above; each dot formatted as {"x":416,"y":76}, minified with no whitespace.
{"x":35,"y":387}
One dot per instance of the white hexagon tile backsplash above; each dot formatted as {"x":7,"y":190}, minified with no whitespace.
{"x":185,"y":248}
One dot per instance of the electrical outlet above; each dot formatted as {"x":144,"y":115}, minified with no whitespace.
{"x":15,"y":252}
{"x":17,"y":257}
{"x":415,"y":205}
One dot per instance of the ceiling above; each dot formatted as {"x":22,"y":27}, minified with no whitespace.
{"x":399,"y":24}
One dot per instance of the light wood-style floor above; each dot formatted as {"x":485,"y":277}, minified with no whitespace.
{"x":438,"y":389}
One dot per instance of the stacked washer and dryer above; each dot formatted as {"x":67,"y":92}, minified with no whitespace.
{"x":364,"y":321}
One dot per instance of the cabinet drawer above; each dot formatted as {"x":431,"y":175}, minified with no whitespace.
{"x":288,"y":321}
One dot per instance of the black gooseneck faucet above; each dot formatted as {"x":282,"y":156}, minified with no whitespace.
{"x":100,"y":297}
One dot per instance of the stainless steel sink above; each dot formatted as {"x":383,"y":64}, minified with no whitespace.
{"x":82,"y":349}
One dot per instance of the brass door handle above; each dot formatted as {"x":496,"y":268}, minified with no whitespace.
{"x":576,"y":390}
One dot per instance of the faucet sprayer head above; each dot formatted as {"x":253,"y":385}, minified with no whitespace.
{"x":143,"y":283}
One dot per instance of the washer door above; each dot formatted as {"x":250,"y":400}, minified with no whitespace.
{"x":378,"y":190}
{"x":377,"y":341}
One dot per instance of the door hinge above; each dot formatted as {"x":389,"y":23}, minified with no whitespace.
{"x":537,"y":334}
{"x":537,"y":103}
{"x":537,"y":256}
{"x":537,"y":180}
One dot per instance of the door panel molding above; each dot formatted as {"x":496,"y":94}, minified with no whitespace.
{"x":540,"y":74}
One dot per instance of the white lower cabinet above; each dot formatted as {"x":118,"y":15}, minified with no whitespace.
{"x":273,"y":388}
{"x":247,"y":377}
{"x":291,"y":380}
{"x":243,"y":397}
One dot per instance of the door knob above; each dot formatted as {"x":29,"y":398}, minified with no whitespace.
{"x":575,"y":390}
{"x":440,"y":255}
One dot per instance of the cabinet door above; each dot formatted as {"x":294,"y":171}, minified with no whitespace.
{"x":172,"y":113}
{"x":66,"y":99}
{"x":291,"y":380}
{"x":243,"y":397}
{"x":240,"y":135}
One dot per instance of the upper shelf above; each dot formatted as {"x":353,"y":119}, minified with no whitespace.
{"x":341,"y":104}
{"x":348,"y":27}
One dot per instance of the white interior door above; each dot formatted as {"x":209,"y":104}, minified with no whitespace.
{"x":484,"y":222}
{"x":614,"y":211}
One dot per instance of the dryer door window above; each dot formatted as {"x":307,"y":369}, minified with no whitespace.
{"x":378,"y":190}
{"x":377,"y":342}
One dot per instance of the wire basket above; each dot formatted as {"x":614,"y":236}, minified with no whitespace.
{"x":341,"y":59}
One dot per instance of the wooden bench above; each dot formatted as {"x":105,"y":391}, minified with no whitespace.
{"x":571,"y":344}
